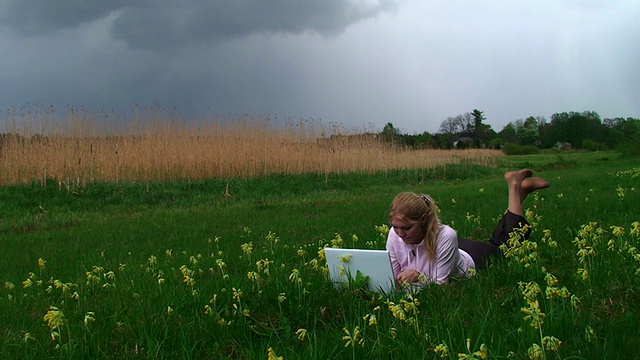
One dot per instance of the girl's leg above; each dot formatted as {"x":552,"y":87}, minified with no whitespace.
{"x":480,"y":251}
{"x":520,"y":185}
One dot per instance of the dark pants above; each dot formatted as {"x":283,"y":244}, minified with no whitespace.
{"x":482,"y":251}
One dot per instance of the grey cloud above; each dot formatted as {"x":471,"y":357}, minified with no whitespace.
{"x":36,"y":17}
{"x":156,"y":24}
{"x":150,"y":24}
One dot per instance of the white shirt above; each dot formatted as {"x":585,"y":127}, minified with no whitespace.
{"x":450,"y":261}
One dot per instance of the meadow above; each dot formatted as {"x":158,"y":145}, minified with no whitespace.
{"x":232,"y":267}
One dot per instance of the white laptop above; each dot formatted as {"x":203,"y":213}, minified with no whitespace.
{"x":344,"y":265}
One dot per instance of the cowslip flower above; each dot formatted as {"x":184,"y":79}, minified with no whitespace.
{"x":551,"y":343}
{"x":295,"y":276}
{"x":442,"y":349}
{"x":371,"y":318}
{"x":27,"y":337}
{"x":253,"y":276}
{"x":89,"y":317}
{"x":282,"y":297}
{"x":617,"y":231}
{"x":337,"y":242}
{"x":353,"y":338}
{"x":302,"y":334}
{"x":271,"y":355}
{"x":54,"y":318}
{"x":534,"y":315}
{"x":397,"y":311}
{"x":152,"y":261}
{"x":237,"y":294}
{"x":635,"y":229}
{"x":535,"y":352}
{"x":247,"y":248}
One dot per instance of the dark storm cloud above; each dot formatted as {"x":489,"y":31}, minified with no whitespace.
{"x":36,"y":17}
{"x":150,"y":24}
{"x":160,"y":23}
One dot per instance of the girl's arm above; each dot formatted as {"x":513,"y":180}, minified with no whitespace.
{"x":447,"y":255}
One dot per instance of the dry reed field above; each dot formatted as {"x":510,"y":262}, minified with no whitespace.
{"x":84,"y":147}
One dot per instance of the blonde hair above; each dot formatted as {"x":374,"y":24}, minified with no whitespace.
{"x":410,"y":207}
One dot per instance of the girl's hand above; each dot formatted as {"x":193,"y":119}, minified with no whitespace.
{"x":408,"y":276}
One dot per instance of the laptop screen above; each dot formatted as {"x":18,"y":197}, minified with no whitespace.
{"x":344,"y":265}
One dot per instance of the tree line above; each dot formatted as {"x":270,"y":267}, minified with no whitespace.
{"x":566,"y":130}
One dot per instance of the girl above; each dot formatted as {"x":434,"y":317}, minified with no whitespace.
{"x":422,"y":248}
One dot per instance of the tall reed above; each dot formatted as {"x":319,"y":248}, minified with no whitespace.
{"x":157,"y":145}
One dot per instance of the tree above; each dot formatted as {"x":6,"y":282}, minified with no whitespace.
{"x":390,"y":133}
{"x":527,"y":133}
{"x":478,"y":118}
{"x":574,"y":127}
{"x":451,"y":125}
{"x":508,"y":133}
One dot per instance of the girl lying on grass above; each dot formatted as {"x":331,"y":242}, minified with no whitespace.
{"x":424,"y":250}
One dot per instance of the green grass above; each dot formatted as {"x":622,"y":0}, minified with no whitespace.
{"x":161,"y":266}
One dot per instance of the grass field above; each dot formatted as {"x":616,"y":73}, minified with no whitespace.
{"x":231,"y":268}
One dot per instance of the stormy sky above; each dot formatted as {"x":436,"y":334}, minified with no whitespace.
{"x":359,"y":63}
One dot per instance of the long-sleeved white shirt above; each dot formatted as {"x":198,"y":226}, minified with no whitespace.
{"x":450,"y":261}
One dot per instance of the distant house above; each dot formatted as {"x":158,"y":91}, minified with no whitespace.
{"x":462,"y":142}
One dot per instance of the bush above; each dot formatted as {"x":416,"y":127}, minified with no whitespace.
{"x":631,"y":147}
{"x":590,"y":145}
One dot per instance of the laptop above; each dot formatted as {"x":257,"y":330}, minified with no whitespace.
{"x":346,"y":265}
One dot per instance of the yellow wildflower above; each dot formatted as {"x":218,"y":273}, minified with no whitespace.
{"x":295,"y":276}
{"x":247,"y":248}
{"x":89,"y":317}
{"x":535,"y":352}
{"x":152,"y":261}
{"x":237,"y":294}
{"x":42,"y":264}
{"x":635,"y":229}
{"x":551,"y":343}
{"x":353,"y":338}
{"x":271,"y":355}
{"x":54,"y":318}
{"x":397,"y":311}
{"x":27,"y":337}
{"x":534,"y":314}
{"x":442,"y":350}
{"x":302,"y":334}
{"x":617,"y":231}
{"x":373,"y":320}
{"x":282,"y":297}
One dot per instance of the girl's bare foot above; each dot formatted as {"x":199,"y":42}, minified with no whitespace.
{"x":516,"y":177}
{"x":527,"y":186}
